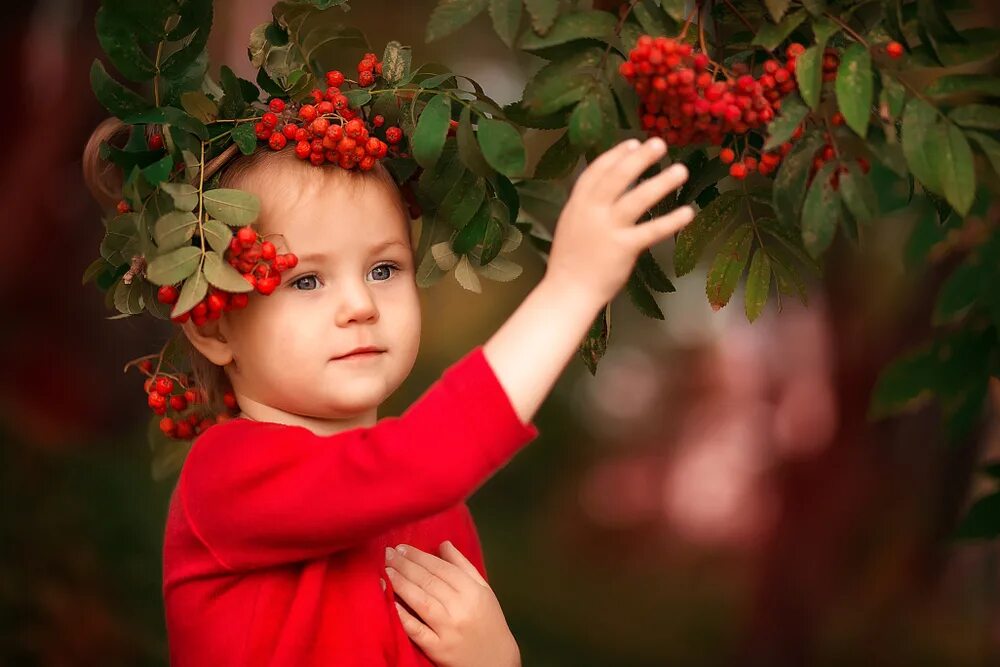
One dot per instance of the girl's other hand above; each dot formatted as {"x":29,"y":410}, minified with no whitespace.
{"x":460,"y":622}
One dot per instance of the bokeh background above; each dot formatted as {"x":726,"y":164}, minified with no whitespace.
{"x":714,"y":496}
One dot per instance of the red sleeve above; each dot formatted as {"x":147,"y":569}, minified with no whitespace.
{"x":269,"y":493}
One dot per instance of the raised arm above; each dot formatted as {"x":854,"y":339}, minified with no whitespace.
{"x":594,"y":249}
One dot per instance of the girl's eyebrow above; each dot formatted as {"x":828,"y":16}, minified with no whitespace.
{"x":319,"y":256}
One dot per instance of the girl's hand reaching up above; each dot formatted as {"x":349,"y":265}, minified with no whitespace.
{"x":461,"y":623}
{"x":596,"y":240}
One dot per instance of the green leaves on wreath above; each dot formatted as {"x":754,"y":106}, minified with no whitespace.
{"x":236,"y":208}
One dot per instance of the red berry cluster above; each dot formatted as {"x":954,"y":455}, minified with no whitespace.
{"x":257,"y":260}
{"x":185,"y":401}
{"x":683,"y":101}
{"x":328,"y":129}
{"x":766,"y":163}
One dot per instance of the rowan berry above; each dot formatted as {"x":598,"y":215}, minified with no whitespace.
{"x":894,"y":49}
{"x":277,"y":141}
{"x":277,"y":105}
{"x":167,"y":294}
{"x":726,"y":156}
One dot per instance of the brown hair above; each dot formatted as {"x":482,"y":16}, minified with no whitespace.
{"x":104,"y":179}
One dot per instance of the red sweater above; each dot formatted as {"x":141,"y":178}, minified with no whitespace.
{"x":275,"y":537}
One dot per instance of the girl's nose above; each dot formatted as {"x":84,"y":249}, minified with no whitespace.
{"x":356,"y":305}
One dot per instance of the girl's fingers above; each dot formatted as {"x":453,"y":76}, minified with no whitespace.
{"x":433,"y":565}
{"x":644,"y":196}
{"x":614,"y":181}
{"x":451,"y":553}
{"x":650,"y":233}
{"x":429,"y":607}
{"x":607,"y":160}
{"x":422,"y":635}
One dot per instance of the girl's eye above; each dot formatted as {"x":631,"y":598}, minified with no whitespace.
{"x":306,"y":278}
{"x":386,"y":273}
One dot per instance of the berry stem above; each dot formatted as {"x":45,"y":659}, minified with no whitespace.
{"x":618,"y":32}
{"x":848,"y":29}
{"x":687,"y":23}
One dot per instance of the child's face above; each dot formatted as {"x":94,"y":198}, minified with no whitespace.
{"x":354,"y":286}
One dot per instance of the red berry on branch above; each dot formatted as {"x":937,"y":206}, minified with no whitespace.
{"x":738,"y":171}
{"x":277,"y":105}
{"x":335,"y":78}
{"x":123,"y":207}
{"x":366,"y":78}
{"x":393,"y":135}
{"x":726,"y":156}
{"x":270,"y":119}
{"x":156,"y":142}
{"x":146,"y":366}
{"x":277,"y":141}
{"x":164,"y":385}
{"x":167,"y":294}
{"x":307,"y":113}
{"x":246,"y":236}
{"x":378,"y":120}
{"x":894,"y":49}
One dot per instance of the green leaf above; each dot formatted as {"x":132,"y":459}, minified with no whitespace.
{"x":559,"y":160}
{"x":220,"y":274}
{"x":562,"y":83}
{"x":989,"y":146}
{"x":642,"y":298}
{"x":956,"y":84}
{"x":245,"y":137}
{"x":192,"y":291}
{"x":820,"y":212}
{"x":358,"y":97}
{"x":396,"y":62}
{"x":758,"y":285}
{"x":781,"y":129}
{"x":159,"y":171}
{"x":962,"y":288}
{"x":728,"y":265}
{"x":770,"y":35}
{"x":543,"y":14}
{"x":893,"y":95}
{"x":194,"y":26}
{"x":676,"y":9}
{"x":170,"y":116}
{"x":777,"y":8}
{"x":199,"y":105}
{"x":595,"y":343}
{"x":506,"y":16}
{"x":903,"y":380}
{"x":978,"y":116}
{"x":572,"y":26}
{"x":924,"y":142}
{"x":854,"y":87}
{"x":858,"y":194}
{"x":174,"y":266}
{"x":933,"y":19}
{"x":463,"y":200}
{"x":450,"y":15}
{"x":473,"y":232}
{"x":790,"y":181}
{"x":502,"y":146}
{"x":468,"y":147}
{"x":174,"y":230}
{"x":706,"y":226}
{"x":808,"y":72}
{"x":120,"y":239}
{"x":96,"y":268}
{"x":431,"y":131}
{"x":653,"y":19}
{"x":589,"y":125}
{"x":116,"y":98}
{"x":651,"y":273}
{"x":120,"y":42}
{"x":957,"y":171}
{"x":185,"y":195}
{"x":128,"y":297}
{"x":217,"y":235}
{"x":236,"y":208}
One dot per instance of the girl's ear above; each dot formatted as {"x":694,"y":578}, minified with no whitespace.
{"x":209,"y":340}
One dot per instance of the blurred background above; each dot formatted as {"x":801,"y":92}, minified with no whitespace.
{"x":714,"y":496}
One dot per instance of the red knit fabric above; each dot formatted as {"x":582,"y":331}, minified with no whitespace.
{"x":275,"y":537}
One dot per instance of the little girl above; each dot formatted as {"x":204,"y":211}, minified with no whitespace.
{"x":279,"y":539}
